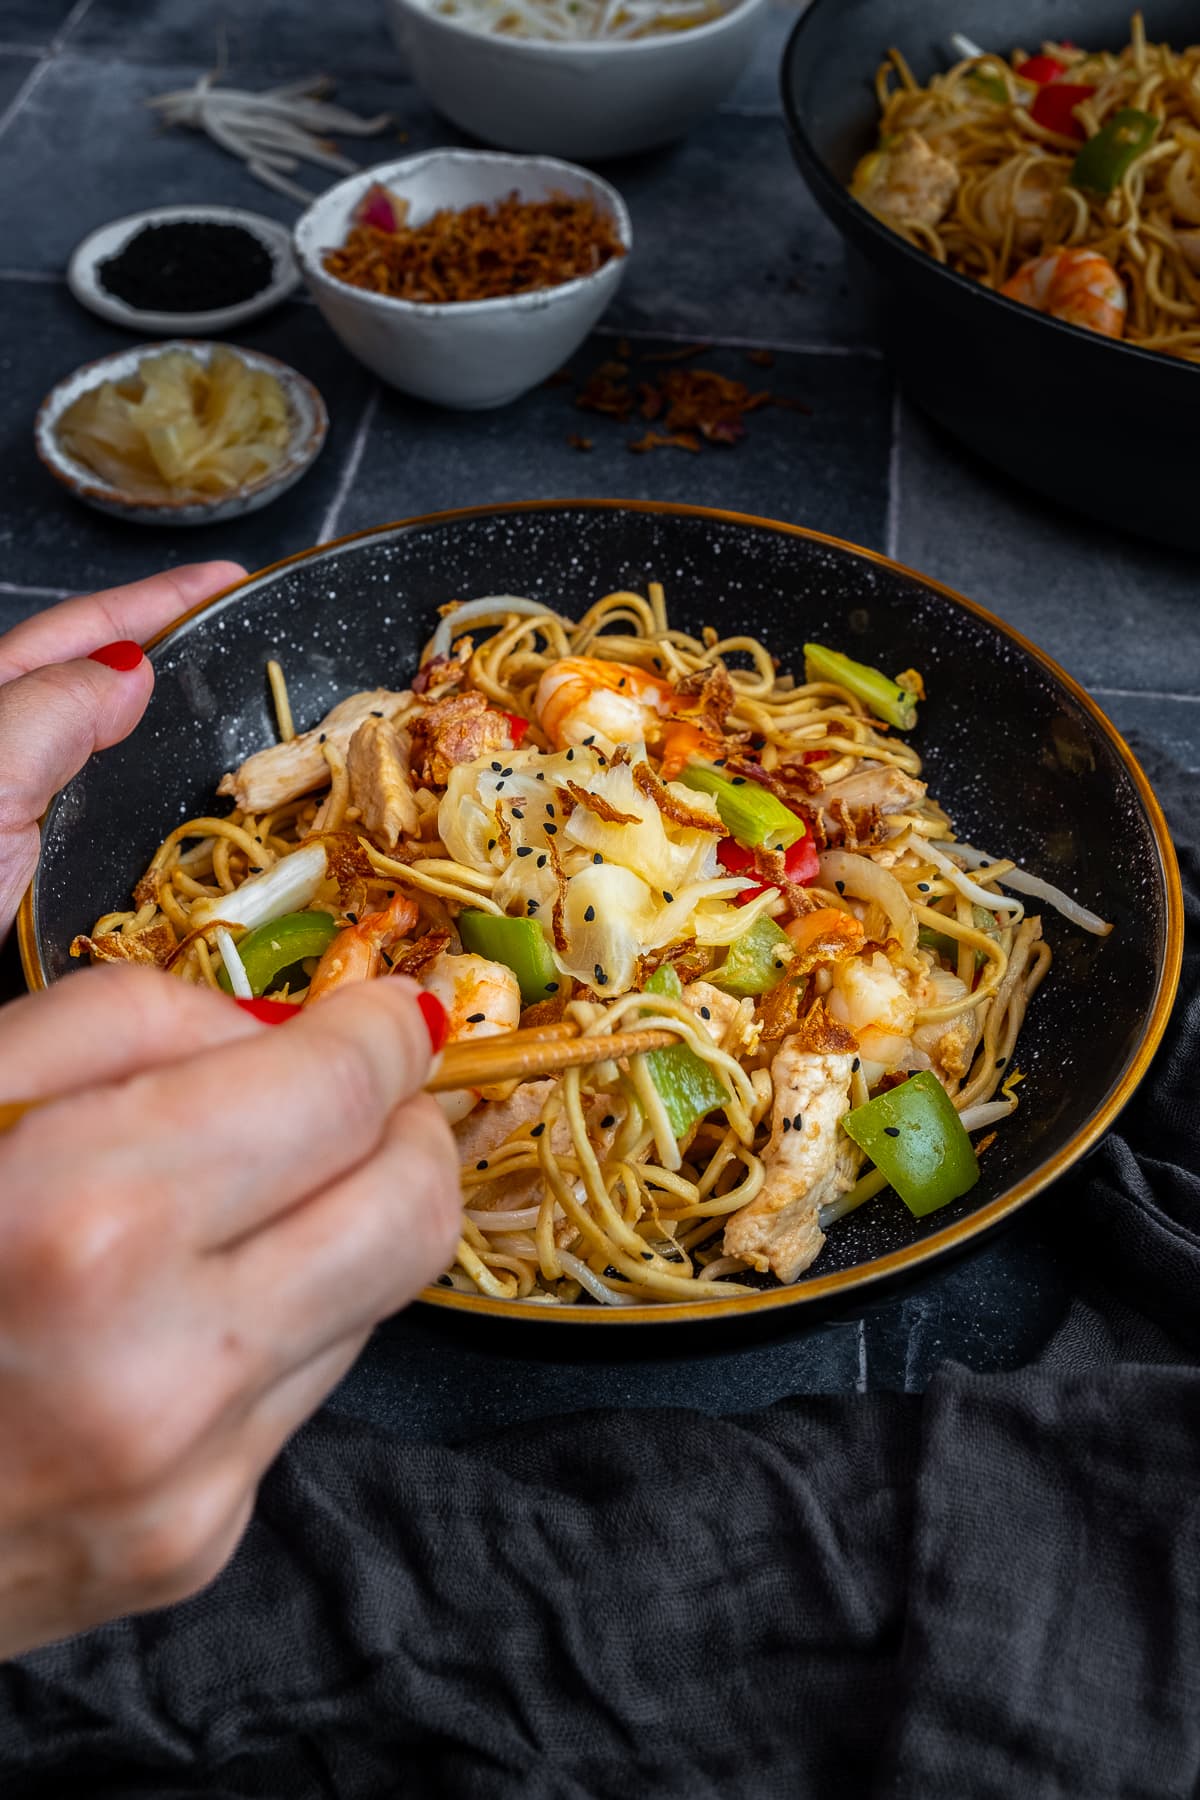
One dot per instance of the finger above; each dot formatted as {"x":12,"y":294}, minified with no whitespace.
{"x":108,"y":1023}
{"x":260,"y":1124}
{"x":352,"y":1255}
{"x":138,"y":610}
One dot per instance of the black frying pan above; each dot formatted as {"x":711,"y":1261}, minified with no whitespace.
{"x":1100,"y":425}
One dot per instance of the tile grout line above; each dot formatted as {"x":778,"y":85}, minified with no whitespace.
{"x":354,"y":457}
{"x":787,"y":346}
{"x":27,"y":88}
{"x":1145,"y":694}
{"x":37,"y":50}
{"x":43,"y":276}
{"x":891,"y":527}
{"x":860,"y":1383}
{"x":39,"y":593}
{"x":73,"y":18}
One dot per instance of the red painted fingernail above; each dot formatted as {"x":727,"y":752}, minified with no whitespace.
{"x":269,"y":1012}
{"x":123,"y":655}
{"x":434,"y":1015}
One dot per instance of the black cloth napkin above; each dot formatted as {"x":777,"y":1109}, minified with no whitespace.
{"x":989,"y":1590}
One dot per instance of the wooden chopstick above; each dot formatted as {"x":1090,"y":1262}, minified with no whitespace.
{"x":485,"y":1062}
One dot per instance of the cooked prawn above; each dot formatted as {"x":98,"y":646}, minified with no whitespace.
{"x":582,"y":697}
{"x":481,"y":998}
{"x":869,"y":996}
{"x":356,"y":953}
{"x":1080,"y":287}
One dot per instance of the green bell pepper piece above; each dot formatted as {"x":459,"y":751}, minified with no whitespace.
{"x":270,"y":949}
{"x":1106,"y":159}
{"x":750,"y":813}
{"x":757,"y":961}
{"x":520,"y":944}
{"x":915,"y":1136}
{"x":687,"y":1085}
{"x":886,"y":698}
{"x":990,"y":86}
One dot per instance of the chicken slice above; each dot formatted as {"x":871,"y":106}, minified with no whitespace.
{"x":284,"y":772}
{"x":808,"y":1160}
{"x":718,"y":1011}
{"x":380,"y":787}
{"x":906,"y":184}
{"x":876,"y":784}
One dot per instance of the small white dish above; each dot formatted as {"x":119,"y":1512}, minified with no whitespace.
{"x":589,"y":99}
{"x":469,"y":354}
{"x":83,"y":277}
{"x":306,"y":409}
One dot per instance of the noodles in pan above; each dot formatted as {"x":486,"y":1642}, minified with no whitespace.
{"x":1069,"y":180}
{"x":621,"y":823}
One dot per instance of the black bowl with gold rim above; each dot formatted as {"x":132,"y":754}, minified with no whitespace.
{"x":1024,"y":762}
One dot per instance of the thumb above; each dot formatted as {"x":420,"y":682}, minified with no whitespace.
{"x":51,"y":721}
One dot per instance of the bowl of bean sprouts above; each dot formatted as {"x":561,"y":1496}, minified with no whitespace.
{"x":578,"y":78}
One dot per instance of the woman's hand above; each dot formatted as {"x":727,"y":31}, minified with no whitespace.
{"x":58,"y":704}
{"x":194,"y":1245}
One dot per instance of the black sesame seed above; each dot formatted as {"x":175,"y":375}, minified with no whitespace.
{"x":540,"y":776}
{"x":597,"y":858}
{"x":531,"y":906}
{"x":737,"y":781}
{"x":476,"y":1018}
{"x":720,"y":762}
{"x":496,"y":767}
{"x":482,"y":1163}
{"x":588,"y":741}
{"x":705,"y":1013}
{"x":778,"y":964}
{"x":524,"y":849}
{"x":607,"y":1120}
{"x":840,"y":886}
{"x":668,"y":897}
{"x":541,"y":862}
{"x":891,"y":1131}
{"x":376,"y":715}
{"x":445,"y":1281}
{"x":601,"y":977}
{"x":256,"y":868}
{"x":1000,"y":1061}
{"x":538,"y":1129}
{"x":499,"y":785}
{"x":570,"y":756}
{"x":491,"y":843}
{"x":506,"y":771}
{"x":389,"y":893}
{"x":551,"y":830}
{"x":353,"y":918}
{"x":552,"y":987}
{"x":389,"y":960}
{"x":321,"y":739}
{"x":517,"y":814}
{"x":621,"y":682}
{"x":550,"y":809}
{"x":589,"y":915}
{"x":647,"y":1256}
{"x":798,"y":1121}
{"x":922,"y":887}
{"x":856,"y":1065}
{"x":787,"y":1124}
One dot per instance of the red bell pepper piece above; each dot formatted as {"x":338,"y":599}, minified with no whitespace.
{"x":518,"y":727}
{"x":1041,"y":69}
{"x":268,"y":1012}
{"x":1052,"y":107}
{"x":800,"y":864}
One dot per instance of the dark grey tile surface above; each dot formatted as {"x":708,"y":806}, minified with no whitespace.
{"x":1171,"y":722}
{"x":758,"y":85}
{"x":246,"y":36}
{"x":827,"y":469}
{"x":33,"y":21}
{"x":15,"y":70}
{"x":49,"y":540}
{"x":1117,"y":612}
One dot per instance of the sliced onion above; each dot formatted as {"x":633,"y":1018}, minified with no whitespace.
{"x":235,"y":968}
{"x":985,"y":897}
{"x":287,"y":886}
{"x":989,"y":1112}
{"x":503,"y":1221}
{"x":1039,"y":889}
{"x":599,"y":1290}
{"x":865,"y":880}
{"x":489,"y":608}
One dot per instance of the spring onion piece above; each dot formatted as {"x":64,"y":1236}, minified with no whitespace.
{"x":520,"y":944}
{"x":757,"y":961}
{"x":991,"y":87}
{"x":1107,"y":158}
{"x":485,"y":611}
{"x":885,"y":697}
{"x":913,"y":1134}
{"x":233,"y":976}
{"x":750,"y":813}
{"x":686,"y":1084}
{"x":1035,"y":886}
{"x":286,"y":887}
{"x":266,"y":952}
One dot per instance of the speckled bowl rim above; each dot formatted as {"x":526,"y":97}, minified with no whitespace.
{"x":536,"y":300}
{"x":549,"y":48}
{"x":908,"y":1260}
{"x":275,"y":237}
{"x":300,"y":455}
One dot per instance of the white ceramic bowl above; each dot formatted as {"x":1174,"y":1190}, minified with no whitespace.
{"x":589,"y":100}
{"x":306,"y":410}
{"x":467,"y":353}
{"x":83,"y":271}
